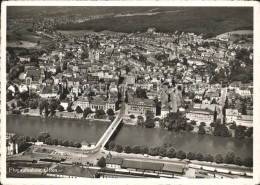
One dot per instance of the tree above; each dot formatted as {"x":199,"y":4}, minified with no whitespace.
{"x":60,"y":142}
{"x":111,"y":145}
{"x":16,"y":112}
{"x":153,"y":151}
{"x":203,"y":124}
{"x":191,"y":155}
{"x":101,"y":162}
{"x":162,"y":151}
{"x":100,"y":113}
{"x":28,"y":139}
{"x":136,"y":149}
{"x":118,"y":148}
{"x":78,"y":109}
{"x":141,"y":93}
{"x":110,"y":112}
{"x":13,"y":105}
{"x":132,"y":116}
{"x":71,"y":144}
{"x":33,"y":140}
{"x":149,"y":123}
{"x":144,"y":149}
{"x":209,"y":158}
{"x":47,"y":112}
{"x":48,"y":141}
{"x":249,"y":132}
{"x":233,"y":125}
{"x":69,"y":109}
{"x":149,"y":114}
{"x":221,"y":130}
{"x":201,"y":130}
{"x":33,"y":104}
{"x":219,"y":158}
{"x":62,"y":96}
{"x":60,"y":108}
{"x":52,"y":110}
{"x":238,"y":161}
{"x":240,"y":132}
{"x":192,"y":122}
{"x":244,"y":112}
{"x":230,"y":157}
{"x":175,"y":121}
{"x":248,"y":162}
{"x":189,"y":127}
{"x":181,"y":155}
{"x":55,"y":141}
{"x":199,"y":157}
{"x":212,"y":124}
{"x":86,"y":112}
{"x":84,"y":55}
{"x":65,"y":143}
{"x":140,"y":120}
{"x":111,"y":118}
{"x":170,"y":152}
{"x":9,"y":95}
{"x":77,"y":145}
{"x":127,"y":149}
{"x":43,"y":135}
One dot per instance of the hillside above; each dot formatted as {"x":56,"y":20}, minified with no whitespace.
{"x":214,"y":20}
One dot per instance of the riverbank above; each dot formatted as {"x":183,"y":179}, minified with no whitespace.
{"x":58,"y":117}
{"x":230,"y":158}
{"x":208,"y":130}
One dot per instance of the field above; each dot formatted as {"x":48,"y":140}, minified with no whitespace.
{"x":238,"y":32}
{"x":216,"y":20}
{"x":19,"y":36}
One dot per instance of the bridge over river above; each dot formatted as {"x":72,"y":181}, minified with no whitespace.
{"x":111,"y":129}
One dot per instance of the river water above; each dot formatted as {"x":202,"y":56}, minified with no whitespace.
{"x":70,"y":129}
{"x":82,"y":130}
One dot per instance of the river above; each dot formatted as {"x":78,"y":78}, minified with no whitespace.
{"x":82,"y":130}
{"x":70,"y":129}
{"x":188,"y":142}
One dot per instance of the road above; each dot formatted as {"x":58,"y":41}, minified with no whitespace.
{"x":109,"y":132}
{"x":104,"y":139}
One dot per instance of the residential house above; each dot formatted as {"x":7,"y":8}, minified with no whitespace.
{"x":48,"y":92}
{"x":113,"y":162}
{"x":231,"y":115}
{"x":245,"y":120}
{"x":65,"y":103}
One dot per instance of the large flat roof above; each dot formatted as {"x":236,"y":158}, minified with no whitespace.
{"x":142,"y":165}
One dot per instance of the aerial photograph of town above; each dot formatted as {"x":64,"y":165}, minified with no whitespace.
{"x":129,"y":92}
